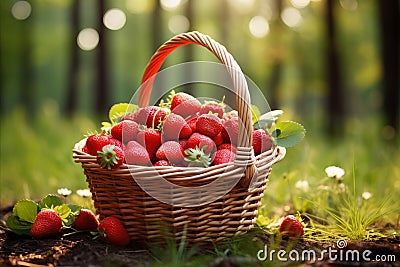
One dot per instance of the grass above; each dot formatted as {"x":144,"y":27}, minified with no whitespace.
{"x":36,"y":159}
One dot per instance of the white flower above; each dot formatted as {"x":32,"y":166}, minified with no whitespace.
{"x":366,"y":195}
{"x":84,"y":192}
{"x":302,"y":185}
{"x":64,"y":192}
{"x":342,"y":187}
{"x":334,"y":172}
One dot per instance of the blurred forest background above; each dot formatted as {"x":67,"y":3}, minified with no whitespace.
{"x":332,"y":65}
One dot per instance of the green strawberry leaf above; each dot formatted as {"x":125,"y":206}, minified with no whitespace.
{"x":50,"y":201}
{"x":18,"y":226}
{"x":26,"y":210}
{"x":287,"y":133}
{"x":65,"y":213}
{"x":266,"y":120}
{"x":119,"y":110}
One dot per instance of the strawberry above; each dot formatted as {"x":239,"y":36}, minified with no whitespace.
{"x":261,"y":141}
{"x":162,"y":162}
{"x":151,"y":116}
{"x":150,"y":139}
{"x":85,"y":149}
{"x":227,"y":146}
{"x":175,"y":127}
{"x":114,"y":232}
{"x":171,"y":151}
{"x":95,"y":143}
{"x":218,"y":139}
{"x":47,"y":223}
{"x":182,"y":142}
{"x":291,"y":227}
{"x":86,"y":221}
{"x":230,"y":130}
{"x":200,"y":140}
{"x":213,"y":107}
{"x":197,"y":157}
{"x":111,"y":157}
{"x":223,"y":156}
{"x":125,"y":131}
{"x":209,"y":124}
{"x":185,"y":105}
{"x":135,"y":153}
{"x":192,"y":123}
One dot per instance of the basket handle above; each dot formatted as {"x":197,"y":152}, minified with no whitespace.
{"x":242,"y":96}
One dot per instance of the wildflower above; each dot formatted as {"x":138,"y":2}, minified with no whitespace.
{"x":302,"y":185}
{"x":64,"y":192}
{"x":334,"y":172}
{"x":366,"y":195}
{"x":84,"y":192}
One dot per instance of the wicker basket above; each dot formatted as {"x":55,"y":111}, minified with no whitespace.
{"x":202,"y":204}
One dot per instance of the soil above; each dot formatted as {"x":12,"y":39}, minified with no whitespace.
{"x":80,"y":249}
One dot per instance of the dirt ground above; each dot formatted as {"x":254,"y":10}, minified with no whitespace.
{"x":81,"y":250}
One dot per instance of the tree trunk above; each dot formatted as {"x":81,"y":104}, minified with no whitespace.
{"x":335,"y":105}
{"x":390,"y":34}
{"x":71,"y":104}
{"x":102,"y":77}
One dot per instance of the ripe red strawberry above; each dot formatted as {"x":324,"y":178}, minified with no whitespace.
{"x":197,"y":157}
{"x":223,"y":156}
{"x":230,"y":130}
{"x":218,"y":139}
{"x":125,"y":130}
{"x":227,"y":146}
{"x":261,"y":141}
{"x":47,"y":223}
{"x":136,"y":154}
{"x":175,"y":127}
{"x":86,"y":221}
{"x":213,"y":107}
{"x":209,"y":124}
{"x":192,"y":123}
{"x":111,"y":157}
{"x":182,"y":142}
{"x":95,"y":143}
{"x":185,"y":105}
{"x":85,"y":149}
{"x":162,"y":162}
{"x":150,"y":139}
{"x":151,"y":116}
{"x":171,"y":151}
{"x":200,"y":140}
{"x":113,"y":231}
{"x":291,"y":227}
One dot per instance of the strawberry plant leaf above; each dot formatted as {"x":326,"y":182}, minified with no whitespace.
{"x":287,"y":133}
{"x":18,"y":226}
{"x":26,"y":210}
{"x":65,"y":213}
{"x":272,"y":115}
{"x":50,"y":201}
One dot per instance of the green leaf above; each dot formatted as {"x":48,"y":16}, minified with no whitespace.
{"x":119,"y":110}
{"x":288,"y":133}
{"x":255,"y":113}
{"x":50,"y":201}
{"x":26,"y":210}
{"x":266,"y":120}
{"x":18,"y":226}
{"x":65,"y":213}
{"x":74,"y":208}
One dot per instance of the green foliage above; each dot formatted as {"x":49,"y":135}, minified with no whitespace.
{"x":287,"y":133}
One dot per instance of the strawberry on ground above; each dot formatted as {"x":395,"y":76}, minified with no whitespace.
{"x":201,"y":140}
{"x":185,"y":105}
{"x":175,"y":127}
{"x":136,"y":154}
{"x":209,"y":124}
{"x":113,"y":231}
{"x":261,"y":141}
{"x":86,"y":221}
{"x":150,"y":139}
{"x":111,"y":157}
{"x":171,"y":151}
{"x":47,"y":223}
{"x":291,"y":227}
{"x":125,"y":130}
{"x":223,"y":156}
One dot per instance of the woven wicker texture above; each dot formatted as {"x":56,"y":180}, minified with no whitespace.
{"x":205,"y":204}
